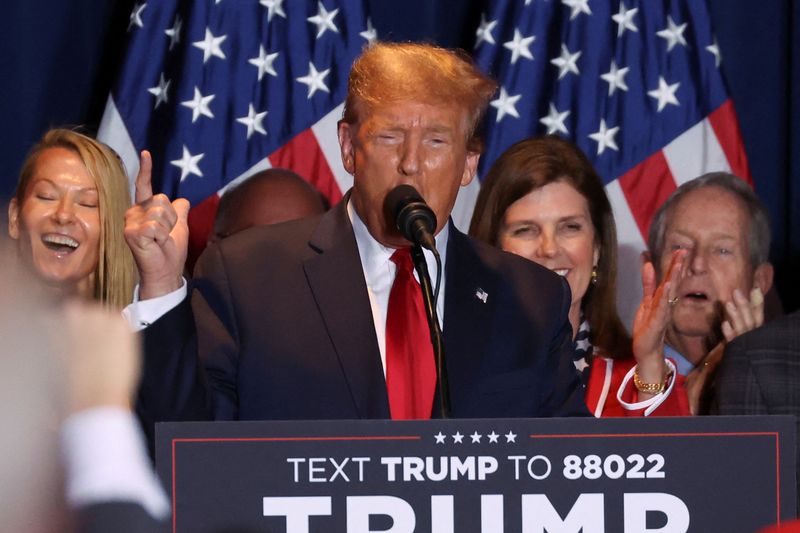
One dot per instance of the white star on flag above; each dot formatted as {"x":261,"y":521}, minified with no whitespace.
{"x":555,"y":121}
{"x":458,"y":438}
{"x":673,"y":34}
{"x":439,"y":438}
{"x":484,"y":32}
{"x":315,"y":80}
{"x":274,"y":7}
{"x":665,"y":94}
{"x":324,"y":20}
{"x":188,"y":163}
{"x":520,"y":46}
{"x":624,"y":19}
{"x":714,"y":49}
{"x":264,"y":62}
{"x":578,"y":7}
{"x":511,"y":437}
{"x":493,"y":437}
{"x":605,"y":137}
{"x":136,"y":16}
{"x":566,"y":62}
{"x":210,"y":45}
{"x":160,"y":91}
{"x":370,"y":34}
{"x":505,"y":104}
{"x":583,"y":344}
{"x":253,"y":121}
{"x":174,"y":33}
{"x":476,"y":437}
{"x":615,"y":78}
{"x":199,"y":105}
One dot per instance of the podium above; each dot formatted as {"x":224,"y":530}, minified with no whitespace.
{"x":709,"y":474}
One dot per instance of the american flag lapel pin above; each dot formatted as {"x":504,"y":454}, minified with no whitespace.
{"x":481,"y":294}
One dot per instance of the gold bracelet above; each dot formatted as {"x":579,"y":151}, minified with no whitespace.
{"x":650,"y":388}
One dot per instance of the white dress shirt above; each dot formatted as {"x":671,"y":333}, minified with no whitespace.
{"x":379,"y":272}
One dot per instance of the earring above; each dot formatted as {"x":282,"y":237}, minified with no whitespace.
{"x":594,"y":275}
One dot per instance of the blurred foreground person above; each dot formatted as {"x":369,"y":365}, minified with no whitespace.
{"x":268,"y":197}
{"x":543,"y":200}
{"x":67,"y":216}
{"x":724,"y":229}
{"x":67,"y":376}
{"x":760,"y":374}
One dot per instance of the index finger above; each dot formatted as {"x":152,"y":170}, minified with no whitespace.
{"x":144,"y":186}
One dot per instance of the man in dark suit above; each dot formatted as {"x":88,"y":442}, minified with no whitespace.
{"x":760,"y":373}
{"x":290,"y":321}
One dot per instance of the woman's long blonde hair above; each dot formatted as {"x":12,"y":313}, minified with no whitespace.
{"x":115,"y":276}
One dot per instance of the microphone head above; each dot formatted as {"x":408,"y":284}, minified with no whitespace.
{"x":408,"y":211}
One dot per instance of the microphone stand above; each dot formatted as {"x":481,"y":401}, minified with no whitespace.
{"x":433,"y":323}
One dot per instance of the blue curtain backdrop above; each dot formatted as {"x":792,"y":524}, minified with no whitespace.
{"x":59,"y":58}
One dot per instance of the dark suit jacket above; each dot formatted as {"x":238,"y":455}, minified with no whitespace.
{"x":283,"y":329}
{"x":760,"y":373}
{"x":119,"y":517}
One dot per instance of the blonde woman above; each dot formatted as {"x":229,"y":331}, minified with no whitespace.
{"x":67,"y":216}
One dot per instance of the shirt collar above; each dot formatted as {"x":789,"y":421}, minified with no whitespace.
{"x":375,"y":256}
{"x":684,"y":365}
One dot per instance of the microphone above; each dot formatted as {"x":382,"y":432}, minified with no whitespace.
{"x":412,"y":216}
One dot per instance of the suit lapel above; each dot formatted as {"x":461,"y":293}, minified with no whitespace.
{"x":336,"y":280}
{"x":469,"y":308}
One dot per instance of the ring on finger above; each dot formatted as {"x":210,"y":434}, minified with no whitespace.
{"x":674,"y":301}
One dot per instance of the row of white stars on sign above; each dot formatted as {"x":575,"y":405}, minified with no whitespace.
{"x":458,"y":438}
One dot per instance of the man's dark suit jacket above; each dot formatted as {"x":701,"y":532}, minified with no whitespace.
{"x":760,"y":371}
{"x":760,"y":374}
{"x":281,"y":322}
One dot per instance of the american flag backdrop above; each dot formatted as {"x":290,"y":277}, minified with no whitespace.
{"x":220,"y":89}
{"x":635,"y":83}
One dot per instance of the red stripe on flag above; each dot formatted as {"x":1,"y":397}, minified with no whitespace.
{"x":303,"y":156}
{"x":726,"y":127}
{"x":201,"y":223}
{"x":646,"y":186}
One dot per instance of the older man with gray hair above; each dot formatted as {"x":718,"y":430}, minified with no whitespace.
{"x":724,"y":229}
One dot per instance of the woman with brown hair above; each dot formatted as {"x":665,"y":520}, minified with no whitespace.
{"x":543,"y":200}
{"x":67,"y":216}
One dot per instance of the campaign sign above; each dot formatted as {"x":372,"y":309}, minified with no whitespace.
{"x":709,"y":474}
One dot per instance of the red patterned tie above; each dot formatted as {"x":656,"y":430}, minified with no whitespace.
{"x":410,"y":368}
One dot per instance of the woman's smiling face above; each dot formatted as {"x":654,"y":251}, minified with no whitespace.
{"x":57,"y":223}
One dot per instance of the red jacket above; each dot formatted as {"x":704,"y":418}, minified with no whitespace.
{"x":611,"y":380}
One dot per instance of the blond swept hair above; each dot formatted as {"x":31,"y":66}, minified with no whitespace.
{"x":115,"y":276}
{"x":393,"y":72}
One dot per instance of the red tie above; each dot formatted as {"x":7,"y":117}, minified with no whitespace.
{"x":410,"y":368}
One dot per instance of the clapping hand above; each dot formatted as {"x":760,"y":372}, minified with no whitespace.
{"x":742,"y":315}
{"x":653,"y":316}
